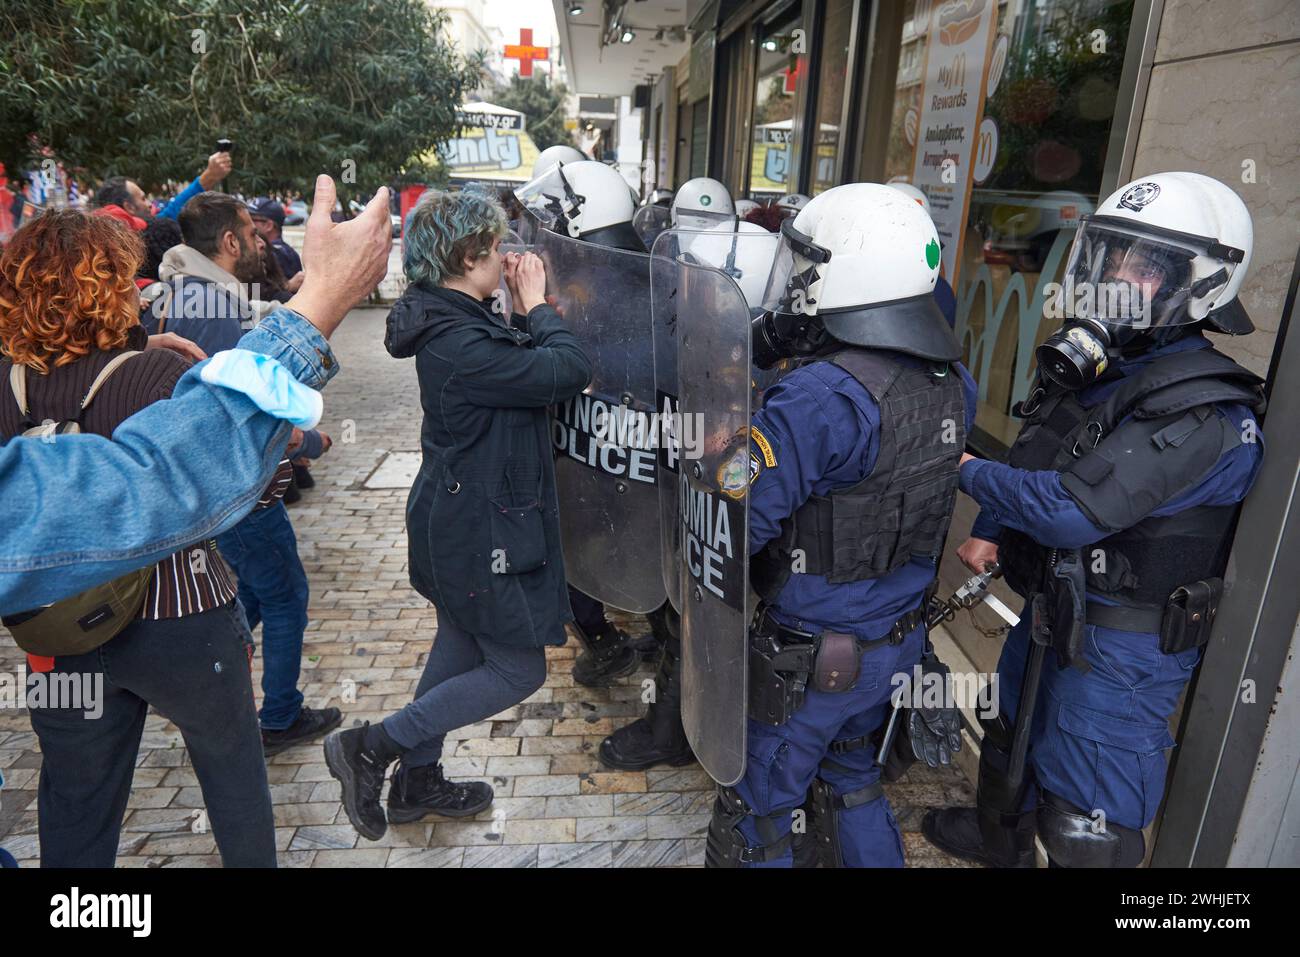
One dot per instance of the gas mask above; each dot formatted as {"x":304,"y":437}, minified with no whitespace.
{"x":1124,"y":292}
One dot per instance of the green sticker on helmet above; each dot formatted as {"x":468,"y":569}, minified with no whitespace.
{"x":706,"y":200}
{"x":932,"y":254}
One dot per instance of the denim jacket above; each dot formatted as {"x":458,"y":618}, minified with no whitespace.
{"x":80,"y":510}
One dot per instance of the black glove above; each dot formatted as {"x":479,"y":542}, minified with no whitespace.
{"x":935,"y":732}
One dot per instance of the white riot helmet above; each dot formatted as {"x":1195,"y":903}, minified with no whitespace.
{"x":747,"y":261}
{"x":701,"y":203}
{"x":746,"y":206}
{"x":1161,"y":254}
{"x":791,"y":203}
{"x":917,"y":195}
{"x":660,"y":197}
{"x":858,"y":265}
{"x":587,"y":200}
{"x":559,"y":153}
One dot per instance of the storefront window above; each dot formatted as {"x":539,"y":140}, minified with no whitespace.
{"x":780,"y":79}
{"x":837,"y":33}
{"x":1001,"y":114}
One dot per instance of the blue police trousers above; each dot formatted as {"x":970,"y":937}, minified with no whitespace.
{"x":1099,"y":738}
{"x":783,"y":760}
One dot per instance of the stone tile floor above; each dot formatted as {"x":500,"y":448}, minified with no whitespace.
{"x":368,"y":635}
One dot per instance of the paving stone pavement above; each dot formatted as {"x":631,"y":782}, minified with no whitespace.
{"x":366,"y":642}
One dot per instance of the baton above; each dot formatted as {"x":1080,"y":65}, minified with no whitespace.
{"x":1028,"y":701}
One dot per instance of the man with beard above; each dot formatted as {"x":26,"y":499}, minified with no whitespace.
{"x":209,"y":302}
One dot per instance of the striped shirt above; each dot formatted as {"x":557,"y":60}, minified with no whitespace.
{"x":187,"y":582}
{"x":279,"y":484}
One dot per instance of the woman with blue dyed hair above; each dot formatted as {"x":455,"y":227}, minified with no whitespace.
{"x":482,"y":519}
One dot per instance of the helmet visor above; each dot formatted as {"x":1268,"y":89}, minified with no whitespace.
{"x":550,"y":199}
{"x":650,"y":221}
{"x":1122,"y":276}
{"x":700,"y":218}
{"x":798,"y":265}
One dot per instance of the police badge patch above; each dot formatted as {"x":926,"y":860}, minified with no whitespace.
{"x":733,"y":474}
{"x":1139,"y":195}
{"x":734,"y":471}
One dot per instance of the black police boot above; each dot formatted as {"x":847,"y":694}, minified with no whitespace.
{"x":416,"y":792}
{"x":607,"y":654}
{"x":659,"y":737}
{"x":309,"y":724}
{"x":665,"y":624}
{"x":359,"y":759}
{"x":957,"y":831}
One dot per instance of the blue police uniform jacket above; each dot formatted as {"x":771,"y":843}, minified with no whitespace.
{"x":822,"y":430}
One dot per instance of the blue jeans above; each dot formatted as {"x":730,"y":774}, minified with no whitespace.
{"x":263,"y":552}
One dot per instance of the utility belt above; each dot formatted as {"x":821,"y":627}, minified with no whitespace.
{"x":1059,"y":612}
{"x":782,"y":661}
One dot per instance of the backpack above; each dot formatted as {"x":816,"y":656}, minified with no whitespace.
{"x":83,"y":622}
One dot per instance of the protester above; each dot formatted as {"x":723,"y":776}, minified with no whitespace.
{"x":211,"y":300}
{"x":482,"y":519}
{"x":268,"y":275}
{"x":268,"y":220}
{"x":67,"y":310}
{"x":210,"y":270}
{"x":121,"y":198}
{"x":159,"y":236}
{"x":124,"y":503}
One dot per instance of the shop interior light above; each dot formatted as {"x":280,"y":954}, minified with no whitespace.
{"x":627,"y":36}
{"x":769,"y":45}
{"x":575,"y":9}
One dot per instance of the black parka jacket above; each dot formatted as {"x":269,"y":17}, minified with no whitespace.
{"x":482,"y":520}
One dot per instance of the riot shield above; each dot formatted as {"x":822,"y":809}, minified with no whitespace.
{"x":746,"y":258}
{"x":650,"y":221}
{"x":714,"y":389}
{"x":606,"y":439}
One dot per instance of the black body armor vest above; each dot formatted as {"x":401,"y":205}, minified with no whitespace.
{"x":1119,"y":471}
{"x":902,"y":509}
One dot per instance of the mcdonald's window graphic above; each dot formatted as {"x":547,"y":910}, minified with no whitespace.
{"x":948,"y":127}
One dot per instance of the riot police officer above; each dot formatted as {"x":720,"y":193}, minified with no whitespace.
{"x":653,"y":216}
{"x":555,"y":155}
{"x":791,"y":204}
{"x":702,"y":203}
{"x":1113,"y":517}
{"x":851,"y":467}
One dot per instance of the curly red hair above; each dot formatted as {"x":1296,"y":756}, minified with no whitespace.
{"x":67,"y":286}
